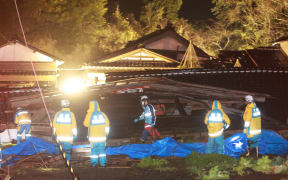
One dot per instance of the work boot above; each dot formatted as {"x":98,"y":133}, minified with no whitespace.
{"x":247,"y":153}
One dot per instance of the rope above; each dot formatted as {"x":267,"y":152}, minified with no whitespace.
{"x":67,"y":162}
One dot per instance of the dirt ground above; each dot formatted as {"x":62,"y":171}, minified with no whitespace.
{"x":86,"y":172}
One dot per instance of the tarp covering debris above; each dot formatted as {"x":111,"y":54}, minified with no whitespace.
{"x":235,"y":146}
{"x":31,"y":146}
{"x":272,"y":143}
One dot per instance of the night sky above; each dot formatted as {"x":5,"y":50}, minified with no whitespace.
{"x":191,"y":9}
{"x":196,"y":9}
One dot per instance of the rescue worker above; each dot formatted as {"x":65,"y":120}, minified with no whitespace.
{"x":23,"y":121}
{"x":65,"y":128}
{"x":150,"y":120}
{"x":98,"y":128}
{"x":252,"y":125}
{"x":217,"y":121}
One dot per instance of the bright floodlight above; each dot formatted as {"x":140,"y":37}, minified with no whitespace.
{"x":72,"y":85}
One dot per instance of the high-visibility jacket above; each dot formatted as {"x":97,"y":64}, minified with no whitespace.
{"x":148,"y":115}
{"x":97,"y":123}
{"x":64,"y":125}
{"x":22,"y":117}
{"x":252,"y":120}
{"x":215,"y":120}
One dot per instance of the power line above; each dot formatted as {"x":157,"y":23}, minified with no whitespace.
{"x":68,"y":164}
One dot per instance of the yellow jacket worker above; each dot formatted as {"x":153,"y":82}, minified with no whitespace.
{"x":252,"y":124}
{"x":98,"y":129}
{"x":217,"y":121}
{"x":23,"y":121}
{"x":65,"y":127}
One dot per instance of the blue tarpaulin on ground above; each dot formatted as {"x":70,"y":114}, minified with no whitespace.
{"x":31,"y":146}
{"x":272,"y":143}
{"x":235,"y":145}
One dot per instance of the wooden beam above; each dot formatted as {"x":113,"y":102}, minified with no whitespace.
{"x":26,"y":66}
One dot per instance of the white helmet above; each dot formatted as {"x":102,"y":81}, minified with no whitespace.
{"x":249,"y":98}
{"x":65,"y":103}
{"x":144,"y":98}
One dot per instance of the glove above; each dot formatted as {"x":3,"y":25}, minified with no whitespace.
{"x":136,"y":120}
{"x":107,"y":130}
{"x":226,"y":126}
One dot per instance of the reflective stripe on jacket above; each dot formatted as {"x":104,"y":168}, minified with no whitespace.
{"x":148,"y":115}
{"x":65,"y":126}
{"x":215,"y":119}
{"x":252,"y":120}
{"x":97,"y":123}
{"x":22,"y":117}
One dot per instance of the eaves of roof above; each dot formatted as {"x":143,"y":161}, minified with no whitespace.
{"x":31,"y":47}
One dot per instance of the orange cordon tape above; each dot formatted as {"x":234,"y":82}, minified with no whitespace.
{"x":74,"y":175}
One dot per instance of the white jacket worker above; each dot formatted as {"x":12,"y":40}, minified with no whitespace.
{"x":149,"y":116}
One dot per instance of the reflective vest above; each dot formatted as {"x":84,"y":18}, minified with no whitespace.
{"x":22,"y":117}
{"x":64,"y":125}
{"x":97,"y":123}
{"x":215,"y":120}
{"x":97,"y":119}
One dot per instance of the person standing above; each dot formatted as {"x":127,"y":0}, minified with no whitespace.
{"x":216,"y":121}
{"x":65,"y":128}
{"x":98,"y":128}
{"x":23,"y":121}
{"x":150,"y":120}
{"x":252,"y":125}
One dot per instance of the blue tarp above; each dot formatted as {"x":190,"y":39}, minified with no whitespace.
{"x":235,"y":145}
{"x":272,"y":143}
{"x":31,"y":146}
